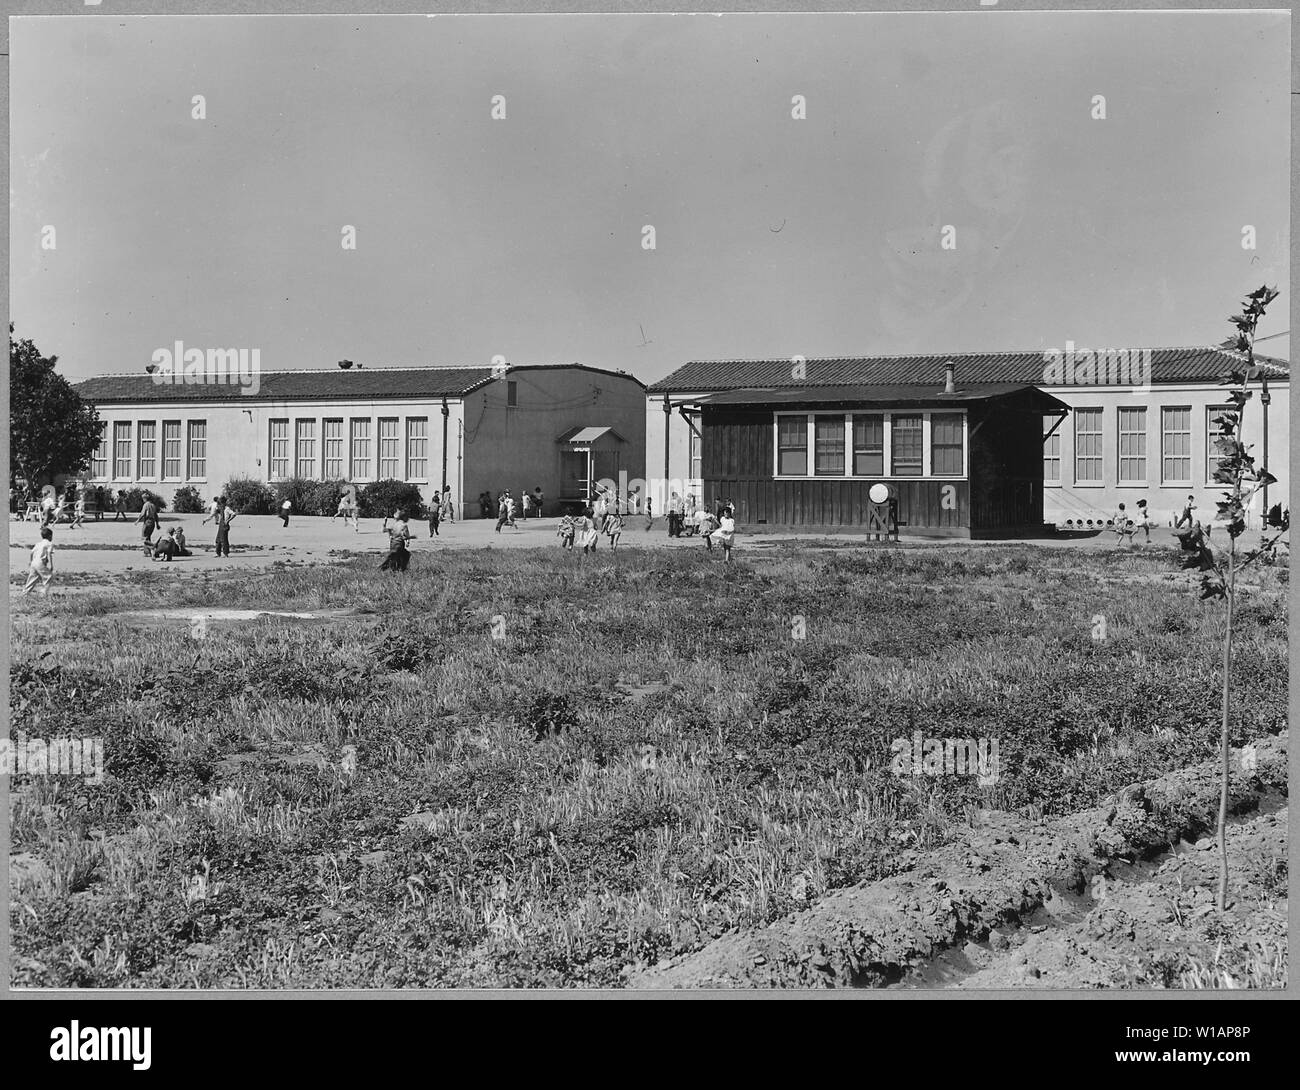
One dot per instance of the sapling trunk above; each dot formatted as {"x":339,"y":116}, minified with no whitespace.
{"x":1223,"y":736}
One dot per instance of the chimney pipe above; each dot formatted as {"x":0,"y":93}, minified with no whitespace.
{"x":949,"y":370}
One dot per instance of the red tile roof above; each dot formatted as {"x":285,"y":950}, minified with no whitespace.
{"x":1168,"y":365}
{"x":359,"y":384}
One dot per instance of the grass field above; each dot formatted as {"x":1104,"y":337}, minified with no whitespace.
{"x":565,"y":768}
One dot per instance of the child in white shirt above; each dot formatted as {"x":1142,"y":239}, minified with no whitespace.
{"x":42,"y":566}
{"x":725,"y":533}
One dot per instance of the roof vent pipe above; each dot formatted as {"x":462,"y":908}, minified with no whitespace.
{"x":949,"y":370}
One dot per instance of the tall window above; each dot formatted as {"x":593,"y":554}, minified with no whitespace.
{"x":1176,"y":444}
{"x":122,"y":450}
{"x":696,"y":452}
{"x":171,"y":450}
{"x":279,"y":450}
{"x":333,"y":450}
{"x":792,"y":446}
{"x":1051,"y":449}
{"x":148,"y":448}
{"x":1213,"y":431}
{"x":1133,"y":444}
{"x":946,"y":444}
{"x":828,"y":439}
{"x":361,"y":450}
{"x":389,"y":451}
{"x":305,"y":465}
{"x":906,"y":436}
{"x":1087,"y":445}
{"x":99,"y":461}
{"x":198,"y":450}
{"x":868,"y":445}
{"x":417,"y":448}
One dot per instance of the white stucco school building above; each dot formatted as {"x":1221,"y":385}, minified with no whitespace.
{"x":1140,"y":427}
{"x":475,"y":429}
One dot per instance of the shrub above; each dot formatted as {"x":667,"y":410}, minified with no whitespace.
{"x":325,"y":496}
{"x":299,"y":491}
{"x":249,"y":496}
{"x":187,"y":501}
{"x":382,"y":498}
{"x":135,"y":498}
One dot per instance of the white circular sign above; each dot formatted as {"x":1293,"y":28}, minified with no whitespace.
{"x":878,"y":493}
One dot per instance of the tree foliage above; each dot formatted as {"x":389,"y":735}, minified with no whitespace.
{"x":52,"y":432}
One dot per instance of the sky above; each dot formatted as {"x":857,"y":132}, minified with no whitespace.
{"x":523,"y":237}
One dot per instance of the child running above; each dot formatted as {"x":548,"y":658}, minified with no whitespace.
{"x":726,"y":532}
{"x":587,"y":534}
{"x":613,"y":528}
{"x":399,"y":556}
{"x":566,"y":531}
{"x":42,"y":566}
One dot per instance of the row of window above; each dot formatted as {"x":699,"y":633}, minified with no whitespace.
{"x":133,"y":451}
{"x":870,"y":444}
{"x":346,"y":449}
{"x":1089,"y":441}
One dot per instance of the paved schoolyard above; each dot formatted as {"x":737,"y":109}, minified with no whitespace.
{"x":258,"y":541}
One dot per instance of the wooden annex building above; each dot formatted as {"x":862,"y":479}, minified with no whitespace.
{"x":960,"y":459}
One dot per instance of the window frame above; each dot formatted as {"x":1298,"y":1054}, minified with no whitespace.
{"x":278,"y":462}
{"x":190,"y":442}
{"x":299,"y":439}
{"x":1049,"y":423}
{"x":122,"y":449}
{"x":1120,"y":457}
{"x":355,"y":457}
{"x":396,"y":440}
{"x":179,"y":459}
{"x":339,"y":442}
{"x":886,"y":417}
{"x":411,"y":459}
{"x":1210,"y":456}
{"x":1100,"y":457}
{"x":1165,"y":456}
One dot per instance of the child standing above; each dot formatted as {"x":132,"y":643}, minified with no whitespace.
{"x":725,"y":533}
{"x":224,"y":516}
{"x":435,"y":513}
{"x":285,"y":508}
{"x":399,"y":557}
{"x":566,"y":531}
{"x":42,"y":566}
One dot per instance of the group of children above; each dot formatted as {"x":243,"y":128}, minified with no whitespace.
{"x":586,"y":528}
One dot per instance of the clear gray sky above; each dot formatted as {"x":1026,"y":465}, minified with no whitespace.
{"x":522,"y":237}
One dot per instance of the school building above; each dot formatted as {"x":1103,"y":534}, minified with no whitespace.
{"x":474,"y":429}
{"x":978,"y":445}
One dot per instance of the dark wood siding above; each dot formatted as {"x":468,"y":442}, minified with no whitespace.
{"x":1004,"y":491}
{"x":738,"y":462}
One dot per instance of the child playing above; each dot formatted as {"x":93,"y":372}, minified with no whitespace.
{"x":1122,"y":526}
{"x":708,"y":523}
{"x":587,"y":531}
{"x":399,"y":557}
{"x":566,"y":531}
{"x":1186,"y":515}
{"x":1143,"y":521}
{"x":79,"y":511}
{"x":725,"y":533}
{"x":613,"y":528}
{"x":285,"y":508}
{"x":42,"y":566}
